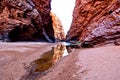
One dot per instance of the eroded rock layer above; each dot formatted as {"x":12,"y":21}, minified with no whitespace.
{"x":96,"y":22}
{"x":26,"y":20}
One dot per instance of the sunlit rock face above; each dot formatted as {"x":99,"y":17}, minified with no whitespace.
{"x":26,"y":20}
{"x":96,"y":22}
{"x":58,"y":28}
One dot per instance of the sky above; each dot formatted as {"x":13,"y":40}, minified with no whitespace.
{"x":63,"y":9}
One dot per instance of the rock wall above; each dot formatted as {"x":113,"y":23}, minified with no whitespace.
{"x":96,"y":22}
{"x":26,"y":20}
{"x":58,"y":28}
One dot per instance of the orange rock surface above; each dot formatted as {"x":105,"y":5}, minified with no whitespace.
{"x":58,"y":28}
{"x":95,"y":22}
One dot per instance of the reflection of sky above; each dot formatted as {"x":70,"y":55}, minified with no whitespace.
{"x":65,"y":52}
{"x":63,"y":9}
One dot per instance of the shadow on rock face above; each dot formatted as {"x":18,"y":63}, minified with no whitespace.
{"x":1,"y":6}
{"x":24,"y":20}
{"x":86,"y":44}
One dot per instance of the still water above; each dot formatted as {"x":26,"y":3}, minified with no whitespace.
{"x":42,"y":65}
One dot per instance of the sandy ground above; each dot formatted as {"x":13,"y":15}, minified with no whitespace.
{"x":82,"y":64}
{"x":15,"y":57}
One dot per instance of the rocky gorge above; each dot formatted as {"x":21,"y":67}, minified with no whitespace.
{"x":91,"y":50}
{"x":95,"y":22}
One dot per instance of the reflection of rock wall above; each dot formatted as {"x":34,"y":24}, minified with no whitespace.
{"x":22,"y":20}
{"x":96,"y":21}
{"x":58,"y":29}
{"x":42,"y":65}
{"x":58,"y":52}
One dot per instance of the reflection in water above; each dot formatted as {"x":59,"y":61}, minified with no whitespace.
{"x":41,"y":65}
{"x":58,"y":52}
{"x":69,"y":49}
{"x":48,"y":58}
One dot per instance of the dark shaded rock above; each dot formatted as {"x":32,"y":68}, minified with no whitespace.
{"x":44,"y":7}
{"x":1,"y":5}
{"x":96,"y":22}
{"x":25,"y":20}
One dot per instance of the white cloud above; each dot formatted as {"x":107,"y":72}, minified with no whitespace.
{"x":63,"y":9}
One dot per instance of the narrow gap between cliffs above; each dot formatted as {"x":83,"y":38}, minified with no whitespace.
{"x":64,"y":10}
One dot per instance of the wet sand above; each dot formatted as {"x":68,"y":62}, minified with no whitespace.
{"x":81,"y":64}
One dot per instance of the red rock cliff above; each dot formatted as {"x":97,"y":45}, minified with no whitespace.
{"x":96,"y":22}
{"x":26,"y":20}
{"x":58,"y":28}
